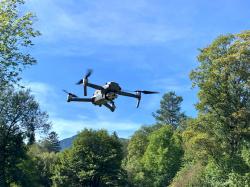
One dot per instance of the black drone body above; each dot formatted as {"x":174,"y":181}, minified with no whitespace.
{"x":104,"y":95}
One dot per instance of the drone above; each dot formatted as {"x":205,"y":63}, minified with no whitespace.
{"x":106,"y":94}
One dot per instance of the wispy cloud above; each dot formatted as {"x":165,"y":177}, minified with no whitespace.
{"x":174,"y":83}
{"x":44,"y":94}
{"x":67,"y":128}
{"x":106,"y":22}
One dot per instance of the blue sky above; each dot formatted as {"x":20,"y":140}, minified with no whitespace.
{"x":141,"y":44}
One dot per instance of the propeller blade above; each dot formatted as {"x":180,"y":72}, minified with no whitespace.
{"x":88,"y":73}
{"x":146,"y":92}
{"x":138,"y":102}
{"x":65,"y":91}
{"x":71,"y":94}
{"x":80,"y":82}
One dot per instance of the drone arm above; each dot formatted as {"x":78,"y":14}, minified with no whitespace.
{"x":112,"y":108}
{"x":129,"y":94}
{"x":138,"y":96}
{"x":94,"y":86}
{"x":80,"y":99}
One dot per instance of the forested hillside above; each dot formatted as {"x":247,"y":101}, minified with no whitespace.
{"x":212,"y":149}
{"x":67,"y":142}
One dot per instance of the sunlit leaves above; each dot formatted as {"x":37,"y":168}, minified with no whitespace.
{"x":163,"y":156}
{"x":223,"y":77}
{"x":94,"y":160}
{"x":16,"y":34}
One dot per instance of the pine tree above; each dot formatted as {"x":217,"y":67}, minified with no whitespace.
{"x":51,"y":143}
{"x":170,"y":110}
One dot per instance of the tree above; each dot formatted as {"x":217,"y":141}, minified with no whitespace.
{"x":163,"y":156}
{"x":12,"y":151}
{"x":51,"y":143}
{"x":18,"y":113}
{"x":136,"y":148}
{"x":218,"y":139}
{"x":170,"y":110}
{"x":37,"y":167}
{"x":16,"y":35}
{"x":223,"y":77}
{"x":94,"y":160}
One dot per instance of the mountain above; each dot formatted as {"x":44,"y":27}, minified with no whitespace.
{"x":67,"y":142}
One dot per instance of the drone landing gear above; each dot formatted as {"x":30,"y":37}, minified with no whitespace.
{"x":110,"y":106}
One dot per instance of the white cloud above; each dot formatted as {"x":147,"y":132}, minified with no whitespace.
{"x":109,"y":22}
{"x":44,"y":94}
{"x":67,"y":128}
{"x":176,"y":83}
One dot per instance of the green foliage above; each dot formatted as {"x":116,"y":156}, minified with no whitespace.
{"x":199,"y":142}
{"x":224,"y":81}
{"x":219,"y":138}
{"x":12,"y":151}
{"x":16,"y":35}
{"x":223,"y":78}
{"x":245,"y":154}
{"x":214,"y":175}
{"x":124,"y":143}
{"x":154,"y":156}
{"x":170,"y":110}
{"x":37,"y":167}
{"x":197,"y":174}
{"x":18,"y":113}
{"x":44,"y":163}
{"x":189,"y":175}
{"x":136,"y":148}
{"x":94,"y":160}
{"x":51,"y":142}
{"x":147,"y":161}
{"x":163,"y":156}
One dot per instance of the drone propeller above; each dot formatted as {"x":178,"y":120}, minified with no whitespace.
{"x":88,"y":73}
{"x":146,"y":92}
{"x":139,"y":92}
{"x":84,"y":81}
{"x":70,"y":94}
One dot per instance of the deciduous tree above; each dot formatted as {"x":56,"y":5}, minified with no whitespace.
{"x":94,"y":160}
{"x":18,"y":113}
{"x":137,"y":146}
{"x":163,"y":156}
{"x":16,"y":37}
{"x":219,"y":138}
{"x":223,"y":78}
